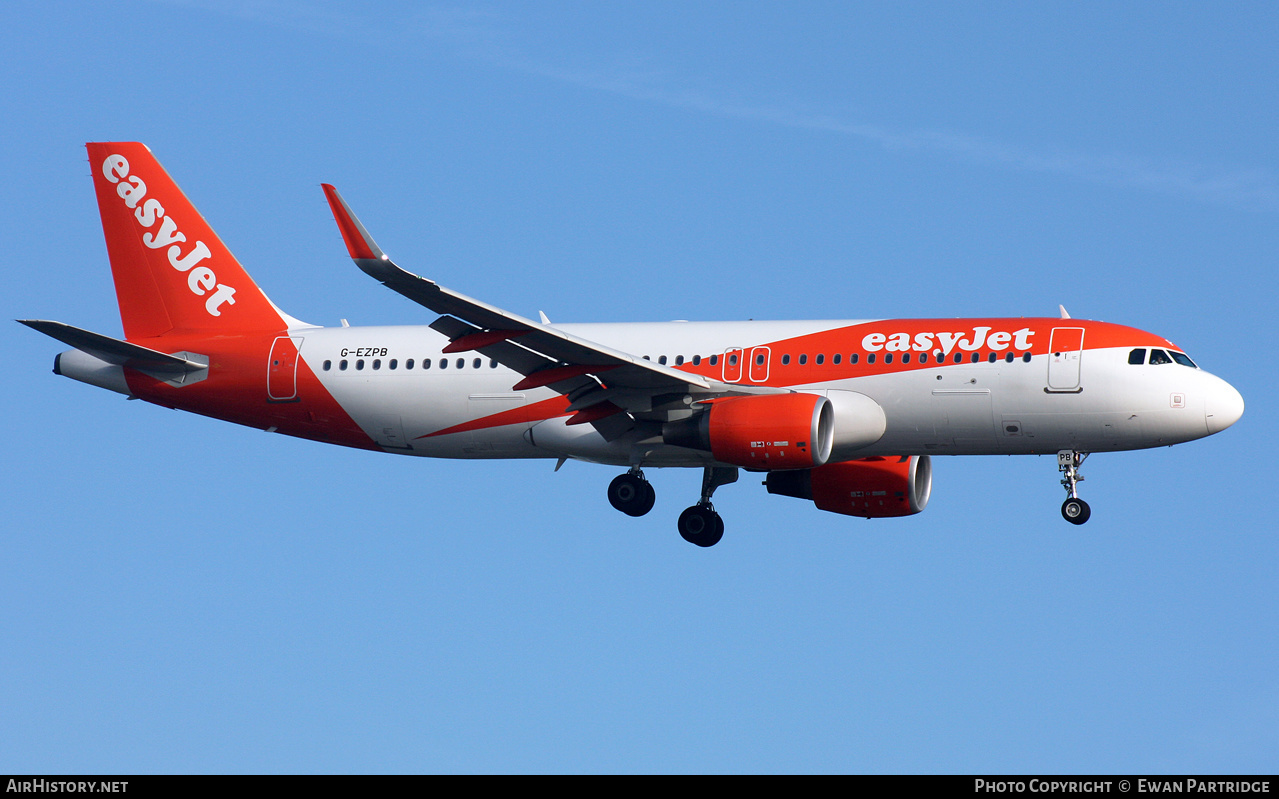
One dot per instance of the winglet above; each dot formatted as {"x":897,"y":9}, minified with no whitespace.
{"x":359,"y":243}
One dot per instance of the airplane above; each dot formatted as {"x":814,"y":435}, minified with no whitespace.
{"x":845,"y":414}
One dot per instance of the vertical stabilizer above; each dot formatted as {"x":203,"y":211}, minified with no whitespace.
{"x":172,"y":272}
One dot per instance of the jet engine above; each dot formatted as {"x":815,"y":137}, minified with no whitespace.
{"x":870,"y":487}
{"x":761,"y":432}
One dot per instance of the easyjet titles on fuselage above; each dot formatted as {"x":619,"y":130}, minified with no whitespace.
{"x":980,"y":337}
{"x":200,"y":279}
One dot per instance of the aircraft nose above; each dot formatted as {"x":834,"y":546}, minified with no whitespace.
{"x":1223,"y":407}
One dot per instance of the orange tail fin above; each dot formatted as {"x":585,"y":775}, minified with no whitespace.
{"x":172,"y":272}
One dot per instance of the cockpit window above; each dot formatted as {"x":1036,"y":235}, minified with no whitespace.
{"x":1137,"y":357}
{"x":1159,"y":357}
{"x":1183,"y":359}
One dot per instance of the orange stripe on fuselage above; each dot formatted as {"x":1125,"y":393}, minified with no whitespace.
{"x":947,"y":336}
{"x":920,"y":337}
{"x":533,"y":412}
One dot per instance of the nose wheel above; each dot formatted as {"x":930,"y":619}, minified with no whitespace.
{"x":1074,"y":509}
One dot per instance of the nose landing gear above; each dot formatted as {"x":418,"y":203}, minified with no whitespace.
{"x":1074,"y":509}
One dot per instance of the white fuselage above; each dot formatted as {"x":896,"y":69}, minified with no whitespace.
{"x":957,"y":409}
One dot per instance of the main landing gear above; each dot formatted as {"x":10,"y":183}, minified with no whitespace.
{"x":1074,"y":509}
{"x":700,"y":524}
{"x":632,"y":494}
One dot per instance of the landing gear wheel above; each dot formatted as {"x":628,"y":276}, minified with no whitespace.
{"x":701,"y":525}
{"x":1075,"y":511}
{"x":631,"y":494}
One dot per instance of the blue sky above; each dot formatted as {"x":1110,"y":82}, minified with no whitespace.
{"x":183,"y":595}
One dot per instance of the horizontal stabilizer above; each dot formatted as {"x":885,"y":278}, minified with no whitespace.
{"x":113,"y":350}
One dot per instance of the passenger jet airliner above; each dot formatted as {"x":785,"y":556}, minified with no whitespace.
{"x":843,"y":413}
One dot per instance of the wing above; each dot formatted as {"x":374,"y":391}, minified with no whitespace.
{"x":606,"y":388}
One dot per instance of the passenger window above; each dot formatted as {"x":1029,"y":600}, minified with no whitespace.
{"x":1026,"y":357}
{"x":444,"y":363}
{"x":821,"y":359}
{"x":888,"y":358}
{"x":394,"y":363}
{"x":1158,"y":357}
{"x":661,"y":359}
{"x":853,"y":358}
{"x":959,"y":356}
{"x":759,"y":359}
{"x":906,"y":358}
{"x":1137,"y":357}
{"x":785,"y":360}
{"x":714,"y":360}
{"x":732,"y":359}
{"x":377,"y":363}
{"x":803,"y":359}
{"x":1008,"y":358}
{"x":492,"y":364}
{"x":697,"y":360}
{"x":870,"y":358}
{"x":834,"y":359}
{"x":359,"y":364}
{"x":679,"y":360}
{"x":976,"y":357}
{"x":461,"y":362}
{"x":477,"y":363}
{"x":328,"y":365}
{"x":342,"y":365}
{"x":408,"y":364}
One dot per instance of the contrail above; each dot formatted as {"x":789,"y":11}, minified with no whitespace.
{"x":488,"y":38}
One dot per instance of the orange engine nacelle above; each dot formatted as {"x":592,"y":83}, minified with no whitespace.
{"x":762,"y":432}
{"x":870,"y":487}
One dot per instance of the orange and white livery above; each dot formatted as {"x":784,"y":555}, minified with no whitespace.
{"x":844,"y":413}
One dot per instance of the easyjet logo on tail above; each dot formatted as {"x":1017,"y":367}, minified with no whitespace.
{"x":200,"y":279}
